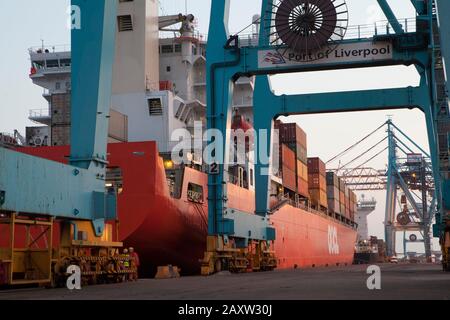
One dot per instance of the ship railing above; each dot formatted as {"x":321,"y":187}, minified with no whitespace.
{"x":50,"y":49}
{"x":383,"y":27}
{"x":39,"y":113}
{"x":176,"y":35}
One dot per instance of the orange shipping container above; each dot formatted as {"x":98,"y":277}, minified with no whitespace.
{"x":302,"y":170}
{"x":289,"y":179}
{"x":342,"y":210}
{"x":302,"y":187}
{"x":319,"y":196}
{"x":342,"y":198}
{"x":288,"y":158}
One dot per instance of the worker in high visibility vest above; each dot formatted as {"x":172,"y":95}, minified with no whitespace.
{"x":135,"y":263}
{"x":125,"y":264}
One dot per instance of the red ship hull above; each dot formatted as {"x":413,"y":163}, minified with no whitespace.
{"x":165,"y":230}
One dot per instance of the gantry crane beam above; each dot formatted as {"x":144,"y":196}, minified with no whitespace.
{"x":228,"y":60}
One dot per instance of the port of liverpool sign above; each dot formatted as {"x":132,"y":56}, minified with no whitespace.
{"x":349,"y":52}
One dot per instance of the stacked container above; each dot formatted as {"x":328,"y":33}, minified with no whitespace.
{"x":333,"y":192}
{"x":353,"y":205}
{"x":292,"y":136}
{"x":317,"y":182}
{"x":347,"y":202}
{"x":288,"y":165}
{"x":342,"y":196}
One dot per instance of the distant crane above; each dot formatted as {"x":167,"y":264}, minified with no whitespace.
{"x":408,"y":171}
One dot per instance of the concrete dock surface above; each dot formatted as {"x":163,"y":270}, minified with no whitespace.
{"x":398,"y":281}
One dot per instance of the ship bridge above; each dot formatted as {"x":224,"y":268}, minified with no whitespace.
{"x":50,"y":61}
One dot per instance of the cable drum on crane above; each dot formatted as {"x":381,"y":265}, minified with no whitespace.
{"x":312,"y":28}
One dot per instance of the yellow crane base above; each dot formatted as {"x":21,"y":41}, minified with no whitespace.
{"x":99,"y":258}
{"x":221,"y":256}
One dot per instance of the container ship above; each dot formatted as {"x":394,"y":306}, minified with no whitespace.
{"x":159,"y":85}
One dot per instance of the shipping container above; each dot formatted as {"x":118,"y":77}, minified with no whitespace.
{"x":317,"y":181}
{"x":300,"y":151}
{"x":347,"y":207}
{"x":341,"y":184}
{"x":288,"y":158}
{"x":316,"y":165}
{"x":347,"y":212}
{"x":302,"y":170}
{"x":342,"y":197}
{"x":334,"y":205}
{"x":342,"y":211}
{"x":347,"y":192}
{"x":332,"y":179}
{"x":291,"y":132}
{"x":351,"y":207}
{"x":318,"y":197}
{"x":289,"y":179}
{"x":347,"y":202}
{"x":354,"y":197}
{"x":302,"y":187}
{"x":333,"y":193}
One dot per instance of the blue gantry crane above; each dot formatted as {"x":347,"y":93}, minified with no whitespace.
{"x":36,"y":192}
{"x":307,"y":36}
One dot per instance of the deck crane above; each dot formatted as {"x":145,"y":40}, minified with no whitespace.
{"x":167,"y":21}
{"x":408,"y":171}
{"x":306,"y":36}
{"x":35,"y":192}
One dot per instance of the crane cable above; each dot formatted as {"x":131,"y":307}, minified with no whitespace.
{"x":363,"y":153}
{"x":357,"y":143}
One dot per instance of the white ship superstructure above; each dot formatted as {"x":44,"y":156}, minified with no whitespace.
{"x":159,"y":82}
{"x":365,"y":208}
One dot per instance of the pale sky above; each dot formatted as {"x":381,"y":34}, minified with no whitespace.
{"x":25,"y":23}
